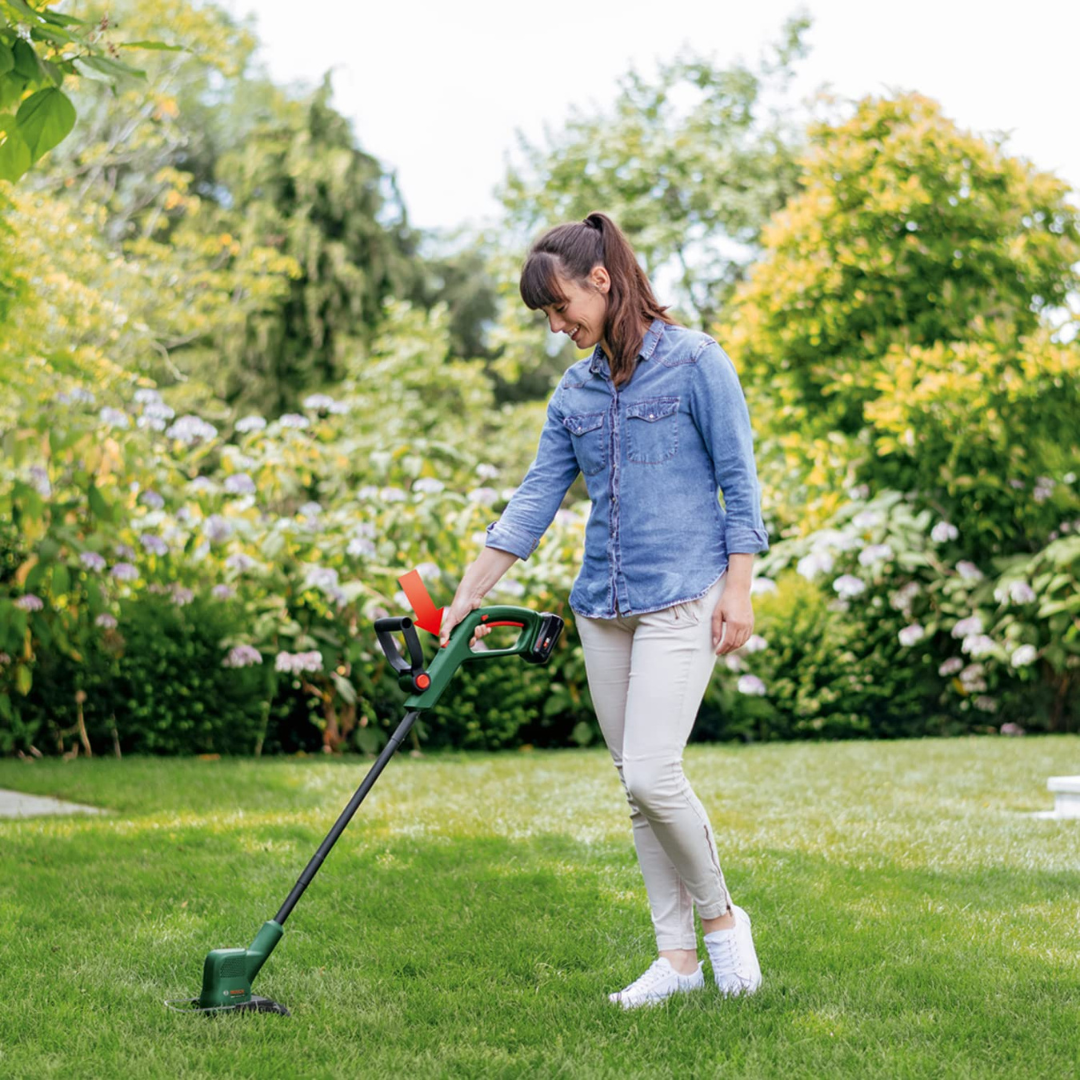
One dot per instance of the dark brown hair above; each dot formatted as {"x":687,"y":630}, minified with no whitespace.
{"x":571,"y":251}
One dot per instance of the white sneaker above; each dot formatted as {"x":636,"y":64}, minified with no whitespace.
{"x":659,"y":982}
{"x":734,"y":960}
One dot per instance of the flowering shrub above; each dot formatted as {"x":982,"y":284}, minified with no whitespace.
{"x":873,"y":628}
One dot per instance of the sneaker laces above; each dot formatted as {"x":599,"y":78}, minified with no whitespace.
{"x":724,"y":955}
{"x":655,"y":974}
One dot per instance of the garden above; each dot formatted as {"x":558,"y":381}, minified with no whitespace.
{"x":241,"y":397}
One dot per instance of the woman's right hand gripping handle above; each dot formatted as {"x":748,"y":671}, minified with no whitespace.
{"x":479,"y":579}
{"x":457,"y":612}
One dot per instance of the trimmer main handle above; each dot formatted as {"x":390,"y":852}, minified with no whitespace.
{"x":539,"y":633}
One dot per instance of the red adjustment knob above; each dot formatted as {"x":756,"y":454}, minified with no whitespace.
{"x":483,"y":618}
{"x":423,"y":681}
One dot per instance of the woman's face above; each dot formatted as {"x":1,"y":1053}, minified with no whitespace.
{"x":581,"y":316}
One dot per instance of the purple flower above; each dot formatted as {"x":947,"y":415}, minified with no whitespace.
{"x":986,"y":704}
{"x":754,"y":643}
{"x":147,"y":397}
{"x":242,"y":656}
{"x":294,"y":420}
{"x":485,"y":496}
{"x":486,"y":471}
{"x":969,"y":571}
{"x":251,"y":423}
{"x":106,"y":620}
{"x":1024,"y":655}
{"x":943,"y":532}
{"x":189,"y":429}
{"x":92,"y":560}
{"x":240,"y":484}
{"x":809,"y":566}
{"x":1022,"y":593}
{"x":750,"y":684}
{"x":978,"y":645}
{"x":360,"y":546}
{"x":115,"y":418}
{"x":428,"y":485}
{"x":181,"y":596}
{"x":325,"y":402}
{"x":297,"y":662}
{"x":849,"y":585}
{"x":910,"y":634}
{"x":201,"y":484}
{"x":152,"y":499}
{"x":124,"y":571}
{"x":971,"y":625}
{"x":951,"y":666}
{"x":874,"y":553}
{"x":1044,"y":488}
{"x":154,"y":544}
{"x":310,"y":510}
{"x":223,"y":592}
{"x":216,"y":529}
{"x":40,"y":476}
{"x":239,"y":562}
{"x":323,"y":578}
{"x":1010,"y":729}
{"x":30,"y":602}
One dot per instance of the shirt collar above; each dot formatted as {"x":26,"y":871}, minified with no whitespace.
{"x":648,"y":345}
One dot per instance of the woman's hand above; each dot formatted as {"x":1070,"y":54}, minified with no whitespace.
{"x":733,"y":620}
{"x":457,"y":612}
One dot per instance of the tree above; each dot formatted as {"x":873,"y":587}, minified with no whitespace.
{"x":689,"y":166}
{"x":909,"y":234}
{"x":300,"y":185}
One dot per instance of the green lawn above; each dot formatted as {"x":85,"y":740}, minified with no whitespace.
{"x":912,"y":919}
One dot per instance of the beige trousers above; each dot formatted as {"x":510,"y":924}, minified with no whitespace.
{"x":647,"y":675}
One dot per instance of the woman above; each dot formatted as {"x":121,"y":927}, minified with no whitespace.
{"x":656,"y":420}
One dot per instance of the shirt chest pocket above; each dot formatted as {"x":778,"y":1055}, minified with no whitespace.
{"x":652,"y":430}
{"x":590,"y":446}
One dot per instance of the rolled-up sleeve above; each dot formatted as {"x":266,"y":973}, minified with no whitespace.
{"x":718,"y":407}
{"x":533,"y":505}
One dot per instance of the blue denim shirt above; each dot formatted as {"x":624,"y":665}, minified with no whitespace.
{"x":653,"y":453}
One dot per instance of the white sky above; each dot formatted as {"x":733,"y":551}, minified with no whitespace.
{"x":437,"y":88}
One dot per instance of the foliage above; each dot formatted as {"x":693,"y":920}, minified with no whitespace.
{"x":689,"y":166}
{"x":909,"y":233}
{"x":872,"y":625}
{"x":39,"y":47}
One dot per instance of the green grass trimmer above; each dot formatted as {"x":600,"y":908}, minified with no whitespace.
{"x":229,"y":973}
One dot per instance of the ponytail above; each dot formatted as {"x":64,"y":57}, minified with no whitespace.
{"x":571,"y":251}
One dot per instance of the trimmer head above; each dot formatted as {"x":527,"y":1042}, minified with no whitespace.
{"x":228,"y":974}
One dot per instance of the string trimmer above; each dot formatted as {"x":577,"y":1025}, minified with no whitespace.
{"x":229,"y":973}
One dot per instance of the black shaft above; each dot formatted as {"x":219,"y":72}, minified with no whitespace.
{"x":312,"y":867}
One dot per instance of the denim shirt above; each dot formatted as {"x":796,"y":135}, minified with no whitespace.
{"x":653,"y":453}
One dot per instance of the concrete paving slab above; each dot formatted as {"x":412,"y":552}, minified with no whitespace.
{"x":16,"y":804}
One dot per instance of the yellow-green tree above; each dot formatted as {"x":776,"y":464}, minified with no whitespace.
{"x":910,"y":234}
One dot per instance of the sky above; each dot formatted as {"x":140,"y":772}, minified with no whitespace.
{"x":438,"y":89}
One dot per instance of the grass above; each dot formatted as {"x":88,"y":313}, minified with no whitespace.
{"x":912,"y":919}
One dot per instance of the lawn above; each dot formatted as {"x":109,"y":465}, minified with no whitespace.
{"x":912,"y":919}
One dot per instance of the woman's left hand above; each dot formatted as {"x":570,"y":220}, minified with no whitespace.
{"x":733,"y":621}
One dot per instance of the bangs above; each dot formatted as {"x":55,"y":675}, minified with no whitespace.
{"x":539,"y":284}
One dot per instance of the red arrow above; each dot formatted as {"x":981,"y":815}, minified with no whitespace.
{"x":428,"y":616}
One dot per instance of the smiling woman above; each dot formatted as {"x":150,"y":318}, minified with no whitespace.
{"x":585,"y":277}
{"x":656,"y":421}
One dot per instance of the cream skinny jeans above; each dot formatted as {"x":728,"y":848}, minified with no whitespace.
{"x":647,"y":676}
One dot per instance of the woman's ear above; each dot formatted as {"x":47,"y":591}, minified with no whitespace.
{"x":601,"y":278}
